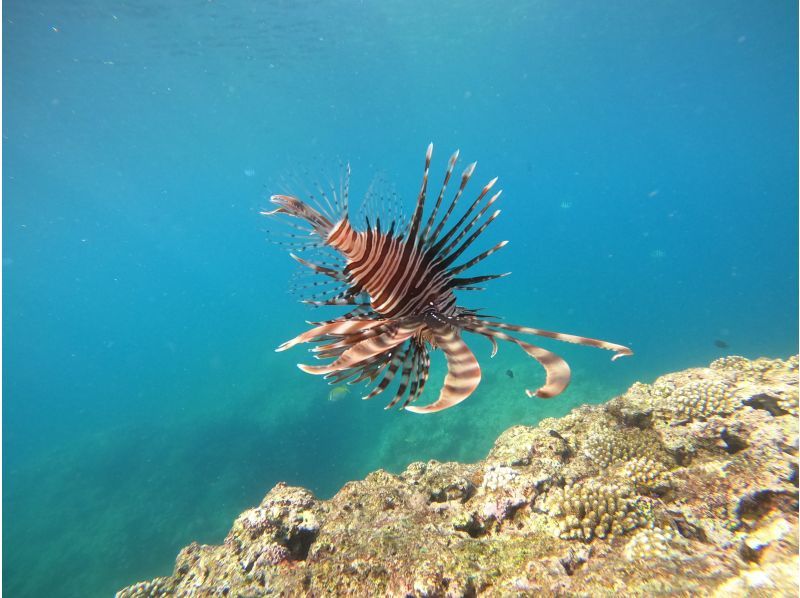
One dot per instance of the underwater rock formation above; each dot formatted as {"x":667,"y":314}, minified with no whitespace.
{"x":685,"y":486}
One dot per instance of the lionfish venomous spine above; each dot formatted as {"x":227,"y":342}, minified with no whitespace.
{"x":401,"y":283}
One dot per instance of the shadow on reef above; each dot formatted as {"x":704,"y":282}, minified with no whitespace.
{"x":688,"y":485}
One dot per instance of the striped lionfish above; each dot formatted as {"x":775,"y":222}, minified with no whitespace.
{"x":401,"y":283}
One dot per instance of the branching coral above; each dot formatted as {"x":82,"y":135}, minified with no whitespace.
{"x":654,"y":543}
{"x":160,"y":586}
{"x":589,"y":509}
{"x":771,"y":372}
{"x":700,"y":399}
{"x":645,"y":473}
{"x":733,"y":363}
{"x":756,"y":370}
{"x":606,"y":445}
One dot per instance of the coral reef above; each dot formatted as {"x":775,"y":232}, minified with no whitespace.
{"x":686,"y":486}
{"x":591,"y":509}
{"x":701,"y":399}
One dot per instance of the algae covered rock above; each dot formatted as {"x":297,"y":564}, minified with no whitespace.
{"x":687,"y":486}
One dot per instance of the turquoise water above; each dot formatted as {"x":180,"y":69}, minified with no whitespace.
{"x":648,"y":156}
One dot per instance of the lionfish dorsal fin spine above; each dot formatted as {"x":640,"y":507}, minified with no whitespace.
{"x":345,"y":192}
{"x":461,"y":282}
{"x":465,"y":176}
{"x":420,"y":207}
{"x":453,"y":230}
{"x":471,"y":224}
{"x":450,"y":165}
{"x":478,"y":258}
{"x":454,"y":256}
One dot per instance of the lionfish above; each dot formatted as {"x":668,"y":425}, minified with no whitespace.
{"x":401,"y":285}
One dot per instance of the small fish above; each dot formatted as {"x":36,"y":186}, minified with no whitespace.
{"x":337,"y":393}
{"x":721,"y":344}
{"x":509,"y":373}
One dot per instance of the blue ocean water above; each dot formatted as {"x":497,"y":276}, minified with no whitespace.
{"x":648,"y":156}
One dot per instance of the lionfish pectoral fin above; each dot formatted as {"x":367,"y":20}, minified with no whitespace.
{"x":362,"y":351}
{"x":619,"y":350}
{"x":557,"y":372}
{"x":463,"y":373}
{"x":337,"y":327}
{"x":494,"y":346}
{"x":421,"y":377}
{"x":409,"y":365}
{"x":388,"y":376}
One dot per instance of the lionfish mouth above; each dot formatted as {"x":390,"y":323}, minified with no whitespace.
{"x":426,"y":337}
{"x":401,"y":283}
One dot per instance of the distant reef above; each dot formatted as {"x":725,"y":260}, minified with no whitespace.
{"x":687,"y":486}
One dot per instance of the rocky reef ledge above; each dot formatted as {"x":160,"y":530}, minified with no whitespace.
{"x":687,"y":486}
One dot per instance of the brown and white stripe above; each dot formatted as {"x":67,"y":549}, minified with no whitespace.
{"x":402,"y":283}
{"x":619,"y":350}
{"x":362,"y":351}
{"x":556,"y":369}
{"x":463,"y":371}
